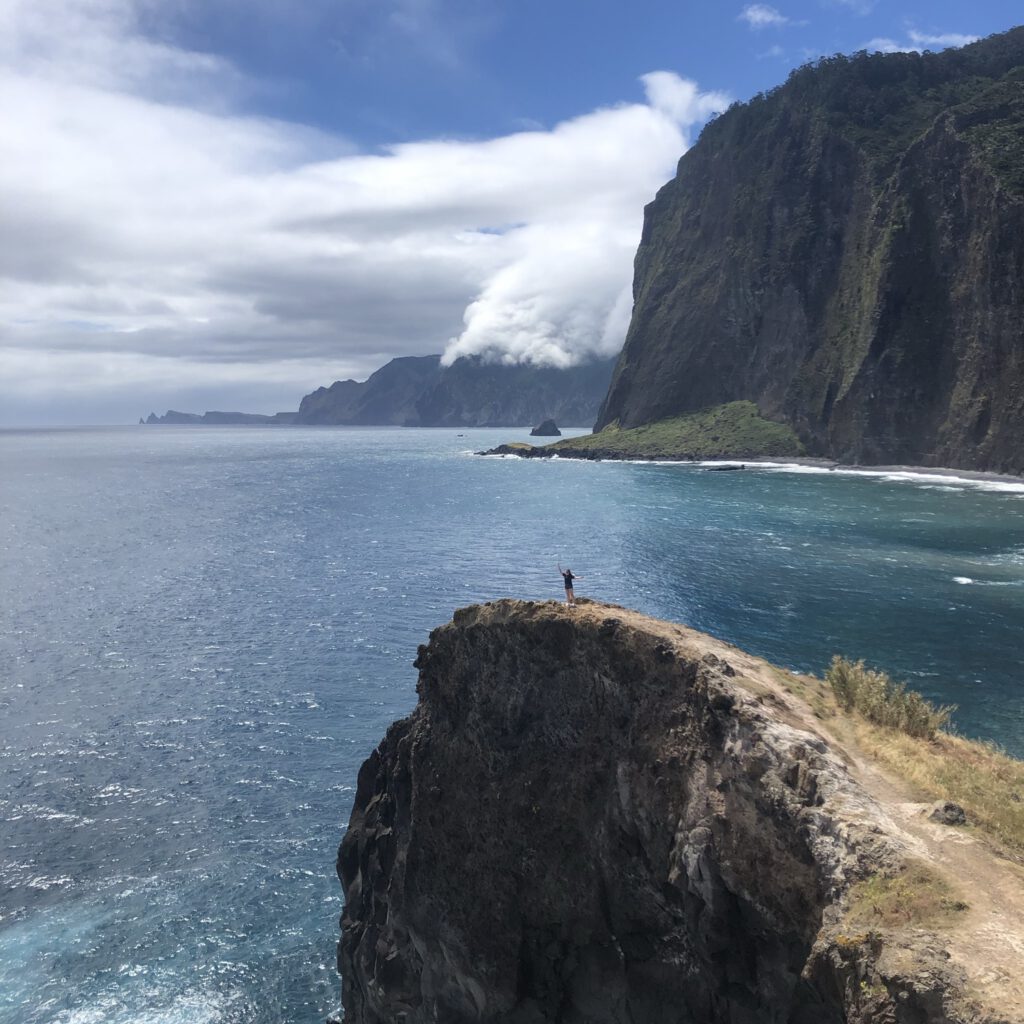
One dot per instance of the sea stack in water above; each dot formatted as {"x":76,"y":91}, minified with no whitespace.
{"x":546,"y":429}
{"x":592,"y":816}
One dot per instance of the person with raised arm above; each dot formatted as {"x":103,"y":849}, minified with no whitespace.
{"x":568,"y":577}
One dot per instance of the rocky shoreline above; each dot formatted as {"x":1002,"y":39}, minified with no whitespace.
{"x":522,"y":450}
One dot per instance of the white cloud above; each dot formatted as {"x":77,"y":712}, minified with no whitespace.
{"x":680,"y":99}
{"x":882,"y":44}
{"x":918,"y":42}
{"x":156,"y":243}
{"x":928,"y":42}
{"x":562,"y":290}
{"x":759,"y":16}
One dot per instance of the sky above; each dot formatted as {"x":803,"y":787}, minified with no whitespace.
{"x":224,"y":204}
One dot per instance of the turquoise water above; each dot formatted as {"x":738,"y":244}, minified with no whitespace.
{"x":205,"y":631}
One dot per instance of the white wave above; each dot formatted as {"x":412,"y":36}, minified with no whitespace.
{"x":40,"y":812}
{"x":645,"y":462}
{"x":933,"y":481}
{"x":1014,"y":557}
{"x":44,"y":882}
{"x":186,"y":1008}
{"x":996,"y":486}
{"x":921,"y":478}
{"x":967,"y":580}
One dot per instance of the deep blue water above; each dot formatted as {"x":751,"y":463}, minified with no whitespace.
{"x":203,"y":631}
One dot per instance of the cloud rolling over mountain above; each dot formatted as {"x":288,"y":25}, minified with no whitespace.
{"x":164,"y":241}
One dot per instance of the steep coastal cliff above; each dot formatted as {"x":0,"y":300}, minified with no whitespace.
{"x":592,"y":816}
{"x":847,"y":251}
{"x":417,"y":391}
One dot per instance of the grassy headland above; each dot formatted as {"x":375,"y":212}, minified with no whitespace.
{"x":732,"y":431}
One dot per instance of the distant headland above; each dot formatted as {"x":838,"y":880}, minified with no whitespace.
{"x":418,"y":391}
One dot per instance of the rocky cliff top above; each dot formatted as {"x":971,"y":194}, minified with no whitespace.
{"x":595,"y":816}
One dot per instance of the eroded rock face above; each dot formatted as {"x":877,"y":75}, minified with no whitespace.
{"x":586,"y":819}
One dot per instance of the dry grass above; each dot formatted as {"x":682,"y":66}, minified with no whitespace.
{"x":809,"y":689}
{"x":916,"y":896}
{"x":987,"y":783}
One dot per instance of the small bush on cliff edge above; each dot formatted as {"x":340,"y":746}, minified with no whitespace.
{"x":917,"y":895}
{"x":884,"y":702}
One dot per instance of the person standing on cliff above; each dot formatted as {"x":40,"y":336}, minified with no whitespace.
{"x":568,"y":577}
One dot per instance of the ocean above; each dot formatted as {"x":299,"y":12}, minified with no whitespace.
{"x":204,"y":631}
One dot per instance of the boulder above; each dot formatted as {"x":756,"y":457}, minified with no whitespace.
{"x":948,"y":813}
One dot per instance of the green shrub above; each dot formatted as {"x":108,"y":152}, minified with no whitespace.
{"x":880,"y":700}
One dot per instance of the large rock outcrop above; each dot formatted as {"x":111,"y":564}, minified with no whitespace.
{"x":595,"y":817}
{"x":848,"y":252}
{"x":417,"y":391}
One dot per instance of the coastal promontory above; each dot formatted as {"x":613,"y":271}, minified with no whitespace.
{"x":593,"y":816}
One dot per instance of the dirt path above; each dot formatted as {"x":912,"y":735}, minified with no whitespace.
{"x":989,"y":941}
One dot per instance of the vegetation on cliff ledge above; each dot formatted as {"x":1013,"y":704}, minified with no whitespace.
{"x":917,"y":895}
{"x":732,"y":431}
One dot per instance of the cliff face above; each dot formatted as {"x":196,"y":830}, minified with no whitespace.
{"x":386,"y":398}
{"x":472,"y":393}
{"x":416,"y":391}
{"x":848,"y":252}
{"x":595,"y":817}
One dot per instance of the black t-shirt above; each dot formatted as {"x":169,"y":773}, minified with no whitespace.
{"x":568,"y":577}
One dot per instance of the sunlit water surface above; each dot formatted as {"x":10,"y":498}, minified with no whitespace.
{"x":205,"y":631}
